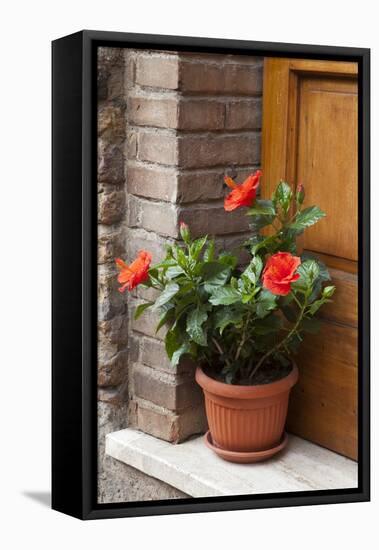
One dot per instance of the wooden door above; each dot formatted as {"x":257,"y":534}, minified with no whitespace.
{"x":310,"y":129}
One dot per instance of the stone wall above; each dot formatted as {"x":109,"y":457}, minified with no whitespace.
{"x":170,"y":125}
{"x":112,"y":311}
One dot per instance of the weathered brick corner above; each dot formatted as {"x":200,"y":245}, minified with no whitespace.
{"x":190,"y":118}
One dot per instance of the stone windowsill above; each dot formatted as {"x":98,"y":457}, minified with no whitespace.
{"x":195,"y":470}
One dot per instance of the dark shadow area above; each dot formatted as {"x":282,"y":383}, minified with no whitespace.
{"x":42,"y":497}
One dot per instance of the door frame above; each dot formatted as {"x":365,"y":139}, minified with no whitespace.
{"x":284,"y":75}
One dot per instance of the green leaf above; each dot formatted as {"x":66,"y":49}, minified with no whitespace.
{"x":265,"y":303}
{"x":141,"y":308}
{"x":167,"y":262}
{"x":214,"y":274}
{"x":172,"y":343}
{"x":153,"y":277}
{"x":316,"y":290}
{"x":168,"y":293}
{"x":253,"y":270}
{"x":166,"y":316}
{"x":309,"y":271}
{"x":195,"y":320}
{"x":228,"y":259}
{"x":258,"y":222}
{"x":324,"y":273}
{"x":313,"y":308}
{"x":184,"y":349}
{"x":269,"y":324}
{"x":226,"y":316}
{"x":209,"y":251}
{"x":180,"y":256}
{"x":224,"y":296}
{"x":258,"y":243}
{"x":282,"y":197}
{"x":174,"y":271}
{"x":307,"y":217}
{"x":262,"y":208}
{"x":197,"y":246}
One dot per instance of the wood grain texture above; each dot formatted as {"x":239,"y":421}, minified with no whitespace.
{"x":327,"y":162}
{"x":310,"y":136}
{"x":323,"y":404}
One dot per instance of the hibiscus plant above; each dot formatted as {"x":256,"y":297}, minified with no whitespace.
{"x":238,"y":321}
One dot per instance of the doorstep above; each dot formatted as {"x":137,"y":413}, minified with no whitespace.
{"x":195,"y":470}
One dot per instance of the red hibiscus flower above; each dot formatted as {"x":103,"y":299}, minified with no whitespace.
{"x":137,"y":272}
{"x":243,"y":194}
{"x":279,"y":273}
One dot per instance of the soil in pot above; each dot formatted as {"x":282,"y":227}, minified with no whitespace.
{"x":270,"y":372}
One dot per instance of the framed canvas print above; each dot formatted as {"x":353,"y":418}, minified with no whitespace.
{"x":210,"y":274}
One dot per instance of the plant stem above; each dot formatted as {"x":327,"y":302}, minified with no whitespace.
{"x":296,"y":300}
{"x":283,"y":342}
{"x":220,"y":350}
{"x":243,"y":339}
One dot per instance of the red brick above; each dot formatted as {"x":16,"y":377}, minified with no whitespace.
{"x":155,"y":182}
{"x":206,"y":151}
{"x":213,"y":220}
{"x":145,"y":294}
{"x":151,"y":352}
{"x":161,"y":217}
{"x":139,"y":239}
{"x":157,"y":146}
{"x":162,"y":424}
{"x":168,"y":391}
{"x":157,"y":71}
{"x":146,"y":324}
{"x":202,"y":185}
{"x":244,"y":114}
{"x":150,"y":111}
{"x":199,"y":114}
{"x":178,"y":186}
{"x":221,"y":78}
{"x":130,"y":68}
{"x":169,"y":426}
{"x":131,"y":144}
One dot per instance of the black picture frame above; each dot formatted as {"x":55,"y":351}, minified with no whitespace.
{"x":74,"y":427}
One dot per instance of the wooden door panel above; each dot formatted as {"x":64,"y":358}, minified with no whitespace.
{"x":310,"y":136}
{"x":328,"y":117}
{"x":329,"y":395}
{"x":344,"y":308}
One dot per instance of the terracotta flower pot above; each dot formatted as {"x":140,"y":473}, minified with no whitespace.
{"x":246,"y":423}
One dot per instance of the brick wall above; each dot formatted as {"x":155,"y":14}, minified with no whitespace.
{"x":190,"y":119}
{"x":169,"y":127}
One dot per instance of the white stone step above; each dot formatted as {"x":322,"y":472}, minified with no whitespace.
{"x":194,"y":469}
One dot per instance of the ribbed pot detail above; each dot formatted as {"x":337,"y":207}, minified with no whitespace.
{"x":246,"y":418}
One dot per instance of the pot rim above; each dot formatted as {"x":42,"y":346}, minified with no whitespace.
{"x":247,"y":392}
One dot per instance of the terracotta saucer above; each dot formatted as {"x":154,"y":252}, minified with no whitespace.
{"x":245,"y":457}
